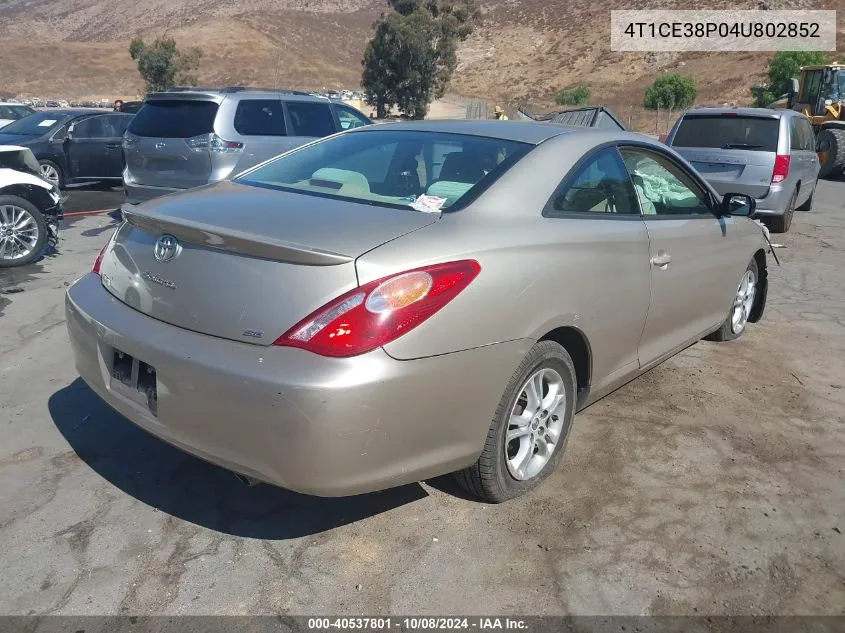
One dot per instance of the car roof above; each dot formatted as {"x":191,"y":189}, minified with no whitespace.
{"x":758,"y":112}
{"x":219,"y":94}
{"x":521,"y":131}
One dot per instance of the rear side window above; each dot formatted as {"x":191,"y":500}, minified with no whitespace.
{"x":310,"y":119}
{"x":728,"y":132}
{"x":260,"y":117}
{"x":174,"y":119}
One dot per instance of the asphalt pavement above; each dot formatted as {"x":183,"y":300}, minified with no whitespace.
{"x":714,"y":484}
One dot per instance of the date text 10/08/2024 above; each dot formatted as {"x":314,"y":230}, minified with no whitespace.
{"x":417,"y":624}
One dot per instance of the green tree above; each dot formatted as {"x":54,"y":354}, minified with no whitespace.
{"x":784,"y":66}
{"x":576,"y":95}
{"x":671,"y":91}
{"x":410,"y":59}
{"x":162,"y":65}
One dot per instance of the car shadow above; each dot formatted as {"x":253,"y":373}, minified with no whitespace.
{"x":196,"y":491}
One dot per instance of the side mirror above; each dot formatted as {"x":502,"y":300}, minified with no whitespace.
{"x":738,"y":204}
{"x":793,"y":86}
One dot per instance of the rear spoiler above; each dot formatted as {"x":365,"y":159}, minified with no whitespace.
{"x":232,"y":240}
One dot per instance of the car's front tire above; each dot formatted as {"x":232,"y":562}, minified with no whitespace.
{"x":23,"y":231}
{"x":530,"y":428}
{"x":51,"y":172}
{"x":742,"y":306}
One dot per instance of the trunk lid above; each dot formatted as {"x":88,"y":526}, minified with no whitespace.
{"x":733,"y":171}
{"x":157,"y":148}
{"x":735,"y":152}
{"x":250,"y":262}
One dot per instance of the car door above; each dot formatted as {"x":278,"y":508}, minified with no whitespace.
{"x":602,"y":236}
{"x":115,"y":126}
{"x":799,"y":158}
{"x":85,"y":147}
{"x":695,"y":262}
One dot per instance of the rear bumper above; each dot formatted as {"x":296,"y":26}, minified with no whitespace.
{"x":329,"y":427}
{"x":136,"y":194}
{"x":776,"y":200}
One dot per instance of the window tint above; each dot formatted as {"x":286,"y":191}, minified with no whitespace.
{"x":310,"y":119}
{"x":809,"y":135}
{"x":14,"y":112}
{"x":796,"y":134}
{"x":391,"y":168}
{"x":349,"y":118}
{"x":600,"y":186}
{"x":93,"y":127}
{"x":728,"y":132}
{"x":662,"y":187}
{"x":174,"y":119}
{"x":260,"y":117}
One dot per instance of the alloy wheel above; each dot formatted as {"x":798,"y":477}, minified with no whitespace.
{"x":18,"y":232}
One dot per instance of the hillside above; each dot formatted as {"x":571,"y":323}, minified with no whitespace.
{"x":523,"y":51}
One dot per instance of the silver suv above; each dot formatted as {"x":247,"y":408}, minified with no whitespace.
{"x":186,"y":138}
{"x":767,"y":154}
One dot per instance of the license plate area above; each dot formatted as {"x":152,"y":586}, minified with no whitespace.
{"x":135,"y":380}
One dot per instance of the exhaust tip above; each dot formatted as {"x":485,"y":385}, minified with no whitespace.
{"x":249,"y":482}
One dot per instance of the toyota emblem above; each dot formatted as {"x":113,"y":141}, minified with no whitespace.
{"x":160,"y":145}
{"x":167,"y":247}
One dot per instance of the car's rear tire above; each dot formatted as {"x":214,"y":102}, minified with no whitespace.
{"x":742,"y":306}
{"x":808,"y":203}
{"x":23,"y":232}
{"x":833,"y":142}
{"x":781,"y":223}
{"x":51,"y":172}
{"x":535,"y":413}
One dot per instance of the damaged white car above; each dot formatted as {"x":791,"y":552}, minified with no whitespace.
{"x":30,"y":208}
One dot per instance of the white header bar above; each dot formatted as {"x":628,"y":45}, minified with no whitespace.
{"x":694,"y":30}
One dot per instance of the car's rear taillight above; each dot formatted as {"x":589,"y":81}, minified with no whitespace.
{"x":381,"y":311}
{"x":99,"y":261}
{"x":781,"y":170}
{"x":213,"y":143}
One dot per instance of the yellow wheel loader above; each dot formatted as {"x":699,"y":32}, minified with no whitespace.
{"x":820,"y":95}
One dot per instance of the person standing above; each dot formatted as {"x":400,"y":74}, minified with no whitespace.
{"x":499,"y":114}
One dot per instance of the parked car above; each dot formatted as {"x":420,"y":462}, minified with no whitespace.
{"x":767,"y":154}
{"x":30,"y":208}
{"x":184,"y":139}
{"x":72,"y":145}
{"x":380,"y":296}
{"x":10,"y":112}
{"x":52,"y":104}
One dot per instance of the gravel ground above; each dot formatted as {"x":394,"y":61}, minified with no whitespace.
{"x":714,"y":484}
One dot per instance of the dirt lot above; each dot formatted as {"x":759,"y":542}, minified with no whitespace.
{"x":715,"y":484}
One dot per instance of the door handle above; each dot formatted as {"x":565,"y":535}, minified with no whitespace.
{"x":661,"y":260}
{"x":113,"y":146}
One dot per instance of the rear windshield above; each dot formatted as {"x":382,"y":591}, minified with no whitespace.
{"x":728,"y":132}
{"x":36,"y":124}
{"x":392,"y":167}
{"x":174,"y":119}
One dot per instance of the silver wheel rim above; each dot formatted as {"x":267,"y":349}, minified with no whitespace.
{"x":48,"y":172}
{"x":743,"y":302}
{"x":536,"y":424}
{"x":18,"y":232}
